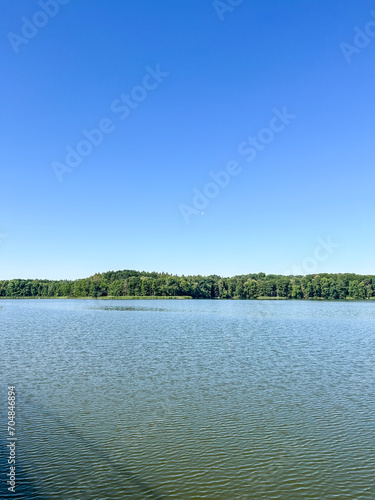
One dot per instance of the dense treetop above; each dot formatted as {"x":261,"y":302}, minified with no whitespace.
{"x":249,"y":286}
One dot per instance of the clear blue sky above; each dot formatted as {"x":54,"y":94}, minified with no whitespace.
{"x":120,"y":207}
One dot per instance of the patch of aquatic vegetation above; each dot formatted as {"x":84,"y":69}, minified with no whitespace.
{"x":128,"y":308}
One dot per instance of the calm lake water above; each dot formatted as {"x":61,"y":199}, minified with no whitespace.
{"x":167,"y":399}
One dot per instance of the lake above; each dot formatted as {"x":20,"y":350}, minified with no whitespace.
{"x":187,"y":399}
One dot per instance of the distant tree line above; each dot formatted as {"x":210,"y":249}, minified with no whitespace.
{"x":249,"y":286}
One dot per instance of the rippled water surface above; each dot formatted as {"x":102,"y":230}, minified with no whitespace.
{"x":218,"y":400}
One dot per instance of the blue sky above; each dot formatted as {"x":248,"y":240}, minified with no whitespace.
{"x":224,"y":70}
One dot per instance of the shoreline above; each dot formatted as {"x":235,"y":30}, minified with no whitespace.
{"x":139,"y":297}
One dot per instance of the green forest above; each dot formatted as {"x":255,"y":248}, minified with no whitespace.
{"x":122,"y":284}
